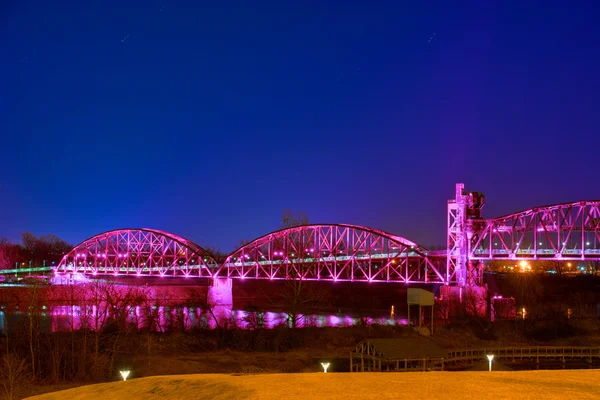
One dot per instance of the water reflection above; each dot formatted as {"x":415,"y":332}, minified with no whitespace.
{"x":164,"y":318}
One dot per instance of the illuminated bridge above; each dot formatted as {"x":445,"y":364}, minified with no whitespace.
{"x":308,"y":252}
{"x":342,"y":252}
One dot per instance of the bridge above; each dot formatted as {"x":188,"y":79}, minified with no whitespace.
{"x":336,"y":252}
{"x":343,"y":252}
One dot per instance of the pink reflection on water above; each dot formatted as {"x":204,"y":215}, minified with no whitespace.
{"x":160,"y":318}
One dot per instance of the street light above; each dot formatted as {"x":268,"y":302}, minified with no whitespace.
{"x":124,"y":374}
{"x":325,"y":366}
{"x":490,"y":358}
{"x":524,"y":266}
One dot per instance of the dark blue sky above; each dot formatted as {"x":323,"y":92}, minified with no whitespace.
{"x":210,"y":118}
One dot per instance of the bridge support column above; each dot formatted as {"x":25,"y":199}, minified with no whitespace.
{"x":220,"y":300}
{"x":221,"y":292}
{"x":464,"y":221}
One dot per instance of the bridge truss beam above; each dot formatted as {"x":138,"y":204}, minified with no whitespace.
{"x":568,"y":231}
{"x":333,"y":253}
{"x":138,"y":252}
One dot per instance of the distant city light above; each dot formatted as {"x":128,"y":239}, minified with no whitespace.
{"x":524,"y":266}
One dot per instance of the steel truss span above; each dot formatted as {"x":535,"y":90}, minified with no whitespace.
{"x":137,"y":252}
{"x":333,"y":253}
{"x":563,"y":232}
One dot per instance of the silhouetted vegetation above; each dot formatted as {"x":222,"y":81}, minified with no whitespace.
{"x":34,"y":251}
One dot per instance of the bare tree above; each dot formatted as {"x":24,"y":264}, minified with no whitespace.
{"x":594,"y":265}
{"x":10,"y":254}
{"x":46,"y":248}
{"x":291,"y":218}
{"x":442,"y":308}
{"x":107,"y":305}
{"x":558,"y":267}
{"x":299,"y":298}
{"x":504,"y":308}
{"x":254,"y":317}
{"x":33,"y":318}
{"x":475,"y":302}
{"x":13,"y":375}
{"x":241,"y":243}
{"x":498,"y":266}
{"x":217,"y":254}
{"x":9,"y":303}
{"x":363,"y":308}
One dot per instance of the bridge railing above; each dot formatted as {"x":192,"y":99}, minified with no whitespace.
{"x":567,"y":254}
{"x":162,"y":271}
{"x":25,"y":270}
{"x":312,"y":260}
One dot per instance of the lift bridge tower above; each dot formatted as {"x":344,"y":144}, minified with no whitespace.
{"x":464,"y":223}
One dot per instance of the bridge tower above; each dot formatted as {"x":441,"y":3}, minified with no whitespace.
{"x":464,"y":221}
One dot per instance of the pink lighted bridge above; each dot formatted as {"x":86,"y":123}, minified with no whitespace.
{"x":309,"y":252}
{"x":342,"y":252}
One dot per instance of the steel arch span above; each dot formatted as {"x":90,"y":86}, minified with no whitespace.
{"x":138,"y":251}
{"x":337,"y":252}
{"x":569,"y":231}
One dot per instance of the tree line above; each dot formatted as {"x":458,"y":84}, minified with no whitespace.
{"x":34,"y":251}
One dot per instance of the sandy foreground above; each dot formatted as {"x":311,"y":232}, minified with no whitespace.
{"x":569,"y":384}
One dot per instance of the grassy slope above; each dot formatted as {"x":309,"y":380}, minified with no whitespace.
{"x":572,"y":384}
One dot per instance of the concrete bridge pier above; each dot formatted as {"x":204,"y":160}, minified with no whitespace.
{"x":221,"y":292}
{"x":220,"y":300}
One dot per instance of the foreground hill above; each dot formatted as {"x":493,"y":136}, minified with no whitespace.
{"x":571,"y":384}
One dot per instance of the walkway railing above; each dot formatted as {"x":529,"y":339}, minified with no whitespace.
{"x":523,"y":353}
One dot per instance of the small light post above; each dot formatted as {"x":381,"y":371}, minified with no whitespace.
{"x":490,"y":358}
{"x":124,"y":374}
{"x":325,"y":366}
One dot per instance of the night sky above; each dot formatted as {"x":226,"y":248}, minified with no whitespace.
{"x":207,"y":119}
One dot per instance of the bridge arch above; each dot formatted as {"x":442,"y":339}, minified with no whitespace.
{"x":332,"y":252}
{"x":137,"y":252}
{"x":566,"y":231}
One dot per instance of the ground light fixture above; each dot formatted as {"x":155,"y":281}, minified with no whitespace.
{"x":325,"y":366}
{"x":124,"y":374}
{"x":490,"y":358}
